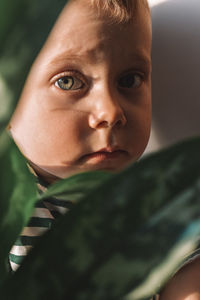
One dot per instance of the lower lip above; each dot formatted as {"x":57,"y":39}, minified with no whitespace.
{"x":105,"y":156}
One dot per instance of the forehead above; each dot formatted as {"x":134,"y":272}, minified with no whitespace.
{"x":80,"y":34}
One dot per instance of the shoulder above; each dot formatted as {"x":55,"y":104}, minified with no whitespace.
{"x":185,"y":285}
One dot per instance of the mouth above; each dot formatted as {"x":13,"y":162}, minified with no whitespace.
{"x":105,"y":155}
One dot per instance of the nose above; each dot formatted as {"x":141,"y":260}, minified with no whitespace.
{"x":107,"y":112}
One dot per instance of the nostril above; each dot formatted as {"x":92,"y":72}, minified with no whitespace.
{"x":116,"y":123}
{"x":119,"y":123}
{"x":123,"y":119}
{"x":104,"y":121}
{"x":103,"y":124}
{"x":108,"y":115}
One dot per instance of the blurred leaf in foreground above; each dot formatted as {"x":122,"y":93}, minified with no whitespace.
{"x":24,"y":27}
{"x":18,"y":196}
{"x":124,"y":239}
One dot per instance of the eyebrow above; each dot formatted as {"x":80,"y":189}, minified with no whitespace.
{"x":67,"y":57}
{"x":137,"y":58}
{"x":143,"y":60}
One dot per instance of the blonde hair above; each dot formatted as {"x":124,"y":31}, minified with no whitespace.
{"x":121,"y":11}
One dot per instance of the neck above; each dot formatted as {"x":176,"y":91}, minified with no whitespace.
{"x":44,"y":175}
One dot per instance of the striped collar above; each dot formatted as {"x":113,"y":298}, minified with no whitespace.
{"x":44,"y":214}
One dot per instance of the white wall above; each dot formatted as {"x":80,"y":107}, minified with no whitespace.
{"x":176,"y":71}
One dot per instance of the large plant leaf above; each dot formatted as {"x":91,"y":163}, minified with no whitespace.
{"x":24,"y":27}
{"x":76,"y":187}
{"x":17,"y":198}
{"x":18,"y":194}
{"x":137,"y":226}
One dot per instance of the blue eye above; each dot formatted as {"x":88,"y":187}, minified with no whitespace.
{"x":130,"y":80}
{"x":69,"y":83}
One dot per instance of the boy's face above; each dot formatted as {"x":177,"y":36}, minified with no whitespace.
{"x":86,"y":104}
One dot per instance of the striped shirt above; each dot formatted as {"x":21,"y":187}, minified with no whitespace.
{"x":44,"y":214}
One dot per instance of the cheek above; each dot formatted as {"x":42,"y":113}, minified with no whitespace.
{"x":139,"y":119}
{"x":62,"y":119}
{"x":64,"y":126}
{"x":66,"y":132}
{"x":53,"y":136}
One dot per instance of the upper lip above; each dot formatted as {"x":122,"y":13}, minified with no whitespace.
{"x":109,"y":150}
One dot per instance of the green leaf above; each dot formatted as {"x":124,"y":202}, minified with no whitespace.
{"x":136,"y":227}
{"x":18,"y":196}
{"x":77,"y":186}
{"x":24,"y":27}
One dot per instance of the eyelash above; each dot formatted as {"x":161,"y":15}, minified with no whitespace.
{"x":75,"y":75}
{"x":133,"y":75}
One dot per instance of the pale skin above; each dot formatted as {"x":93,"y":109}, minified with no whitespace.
{"x":86,"y":105}
{"x":185,"y":284}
